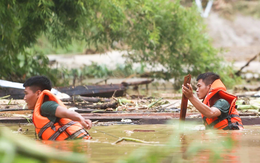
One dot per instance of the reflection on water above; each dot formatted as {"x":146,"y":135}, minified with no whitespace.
{"x":244,"y":147}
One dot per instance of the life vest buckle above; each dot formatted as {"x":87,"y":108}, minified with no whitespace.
{"x":60,"y":130}
{"x":53,"y":128}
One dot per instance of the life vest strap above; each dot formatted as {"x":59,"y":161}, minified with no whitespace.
{"x":61,"y":129}
{"x":77,"y":133}
{"x":47,"y":125}
{"x":233,"y":126}
{"x":205,"y":122}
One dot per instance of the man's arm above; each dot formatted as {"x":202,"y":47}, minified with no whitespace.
{"x":209,"y":112}
{"x":62,"y":112}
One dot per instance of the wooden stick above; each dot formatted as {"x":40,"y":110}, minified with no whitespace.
{"x":184,"y":100}
{"x":239,"y":71}
{"x":148,"y":81}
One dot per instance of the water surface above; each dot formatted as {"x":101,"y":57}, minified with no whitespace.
{"x":246,"y":143}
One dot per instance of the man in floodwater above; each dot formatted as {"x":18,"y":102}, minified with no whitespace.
{"x":52,"y":120}
{"x":218,"y":107}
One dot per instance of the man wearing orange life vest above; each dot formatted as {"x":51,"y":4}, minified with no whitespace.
{"x":52,"y":120}
{"x":218,"y":107}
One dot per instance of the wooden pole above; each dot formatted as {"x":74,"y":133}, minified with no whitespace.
{"x":184,"y":100}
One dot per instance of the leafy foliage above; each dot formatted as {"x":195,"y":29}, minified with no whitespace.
{"x":158,"y":33}
{"x":24,"y":149}
{"x":22,"y":22}
{"x":174,"y":39}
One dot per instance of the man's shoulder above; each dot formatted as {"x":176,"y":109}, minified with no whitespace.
{"x":222,"y":100}
{"x":222,"y":105}
{"x":49,"y":106}
{"x":49,"y":102}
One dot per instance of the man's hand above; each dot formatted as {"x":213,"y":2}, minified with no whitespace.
{"x":62,"y":112}
{"x":187,"y":91}
{"x":87,"y":124}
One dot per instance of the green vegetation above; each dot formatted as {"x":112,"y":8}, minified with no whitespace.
{"x":94,"y":70}
{"x":43,"y":45}
{"x":14,"y":149}
{"x":156,"y":33}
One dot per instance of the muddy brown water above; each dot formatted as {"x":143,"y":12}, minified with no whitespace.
{"x":101,"y":147}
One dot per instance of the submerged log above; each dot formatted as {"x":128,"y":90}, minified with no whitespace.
{"x":13,"y":92}
{"x":15,"y":111}
{"x":6,"y":110}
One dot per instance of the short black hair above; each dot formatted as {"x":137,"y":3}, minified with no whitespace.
{"x":208,"y":77}
{"x":38,"y":83}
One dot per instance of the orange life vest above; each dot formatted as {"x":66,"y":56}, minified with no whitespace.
{"x":61,"y":130}
{"x":232,"y":121}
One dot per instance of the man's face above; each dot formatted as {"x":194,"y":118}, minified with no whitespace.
{"x":202,"y":90}
{"x":31,"y":97}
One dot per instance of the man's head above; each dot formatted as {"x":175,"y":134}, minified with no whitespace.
{"x":33,"y":88}
{"x":208,"y":77}
{"x":204,"y":82}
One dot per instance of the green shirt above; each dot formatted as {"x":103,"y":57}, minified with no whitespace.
{"x":223,"y":106}
{"x":48,"y":109}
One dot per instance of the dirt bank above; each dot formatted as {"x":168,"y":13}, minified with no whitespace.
{"x":240,"y":37}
